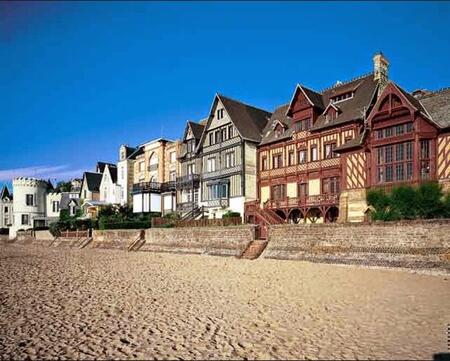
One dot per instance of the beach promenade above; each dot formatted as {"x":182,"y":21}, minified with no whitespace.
{"x":109,"y":304}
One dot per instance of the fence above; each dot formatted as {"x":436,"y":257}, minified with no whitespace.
{"x":226,"y":221}
{"x":75,"y":234}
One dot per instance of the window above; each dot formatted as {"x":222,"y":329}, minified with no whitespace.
{"x":264,"y":163}
{"x":25,"y":219}
{"x":399,"y":129}
{"x":277,"y":161}
{"x":278,"y":130}
{"x":224,"y":134}
{"x":173,"y":157}
{"x":29,"y":200}
{"x":330,"y":185}
{"x":55,"y":206}
{"x":6,"y":209}
{"x":230,"y":131}
{"x":217,"y":191}
{"x":348,"y":138}
{"x":122,"y":155}
{"x":425,"y":159}
{"x":302,"y":156}
{"x":302,"y":190}
{"x":217,"y":136}
{"x":304,"y":124}
{"x":278,"y":192}
{"x":211,"y":138}
{"x":409,"y":127}
{"x":72,"y":210}
{"x":173,"y":176}
{"x":314,"y":155}
{"x":394,"y":162}
{"x":396,"y":130}
{"x":211,"y":164}
{"x":141,"y":166}
{"x":291,"y":157}
{"x":190,"y":146}
{"x":191,"y":168}
{"x":329,"y":150}
{"x":229,"y":160}
{"x":220,"y":113}
{"x":85,"y":194}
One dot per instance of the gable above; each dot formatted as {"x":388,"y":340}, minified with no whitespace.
{"x":299,"y":102}
{"x":218,"y":120}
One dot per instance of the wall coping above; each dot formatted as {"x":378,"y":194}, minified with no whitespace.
{"x":414,"y":222}
{"x":243,"y":226}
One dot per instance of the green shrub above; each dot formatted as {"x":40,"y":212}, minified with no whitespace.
{"x":55,"y":229}
{"x":430,"y":200}
{"x":403,"y":202}
{"x":231,"y":214}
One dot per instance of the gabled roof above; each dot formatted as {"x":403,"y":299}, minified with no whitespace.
{"x":139,"y":150}
{"x":93,"y":181}
{"x":101,"y":166}
{"x":364,"y":91}
{"x":113,"y":172}
{"x":5,"y":193}
{"x":279,"y":115}
{"x":437,"y":105}
{"x":65,"y":200}
{"x":249,"y":120}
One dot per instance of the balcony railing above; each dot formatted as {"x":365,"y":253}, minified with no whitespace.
{"x":154,"y":187}
{"x":187,"y":181}
{"x":222,"y":202}
{"x":306,"y":201}
{"x":186,"y":206}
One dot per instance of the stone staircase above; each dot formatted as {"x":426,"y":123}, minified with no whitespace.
{"x":84,"y":242}
{"x":136,"y":244}
{"x":254,"y":249}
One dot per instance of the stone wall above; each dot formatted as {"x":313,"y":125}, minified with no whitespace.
{"x":219,"y":241}
{"x":114,"y":238}
{"x":416,"y":244}
{"x":44,"y":235}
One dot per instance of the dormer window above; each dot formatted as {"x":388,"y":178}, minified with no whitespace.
{"x":220,"y":113}
{"x":278,"y":130}
{"x":342,"y":97}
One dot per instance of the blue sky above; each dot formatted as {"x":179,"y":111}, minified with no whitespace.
{"x":79,"y":79}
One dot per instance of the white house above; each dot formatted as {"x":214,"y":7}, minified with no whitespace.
{"x":6,"y":208}
{"x":29,"y":203}
{"x":109,"y":189}
{"x":125,"y":173}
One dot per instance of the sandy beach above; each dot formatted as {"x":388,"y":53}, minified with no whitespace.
{"x":104,"y":304}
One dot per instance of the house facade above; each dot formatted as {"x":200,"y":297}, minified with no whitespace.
{"x":110,"y":190}
{"x":190,"y":165}
{"x":125,"y":174}
{"x":321,"y":151}
{"x":227,"y":155}
{"x":29,"y":203}
{"x":155,"y":172}
{"x":6,"y":208}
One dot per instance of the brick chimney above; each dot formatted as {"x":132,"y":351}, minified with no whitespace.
{"x":380,"y":70}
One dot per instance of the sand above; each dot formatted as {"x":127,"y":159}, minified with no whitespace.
{"x":104,"y":304}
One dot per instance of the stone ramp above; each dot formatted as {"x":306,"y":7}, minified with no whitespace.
{"x":254,"y":249}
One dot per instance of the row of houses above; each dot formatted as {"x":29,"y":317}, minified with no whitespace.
{"x":309,"y":160}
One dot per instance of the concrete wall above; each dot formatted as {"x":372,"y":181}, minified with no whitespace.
{"x":220,"y":241}
{"x":416,"y":244}
{"x":44,"y":234}
{"x":114,"y":238}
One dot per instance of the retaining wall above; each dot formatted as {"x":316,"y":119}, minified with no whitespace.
{"x":44,"y":235}
{"x":219,"y":241}
{"x":415,"y":244}
{"x":114,"y":238}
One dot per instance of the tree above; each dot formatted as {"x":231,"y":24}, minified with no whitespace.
{"x":63,"y":186}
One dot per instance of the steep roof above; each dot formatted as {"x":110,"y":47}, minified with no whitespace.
{"x":93,"y":181}
{"x":101,"y":166}
{"x":268,"y":134}
{"x":65,"y":200}
{"x":113,"y":172}
{"x":129,"y":150}
{"x":437,"y":104}
{"x":197,"y":129}
{"x":5,"y":193}
{"x":139,"y":150}
{"x":363,"y":89}
{"x":249,"y":120}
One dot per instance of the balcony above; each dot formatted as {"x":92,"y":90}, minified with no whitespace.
{"x":214,"y":203}
{"x":186,"y":207}
{"x":294,"y":169}
{"x":153,"y":187}
{"x":305,"y":201}
{"x":188,"y":181}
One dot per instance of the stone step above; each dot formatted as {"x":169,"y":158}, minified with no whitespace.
{"x":254,"y":249}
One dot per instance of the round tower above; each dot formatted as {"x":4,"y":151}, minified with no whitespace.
{"x":29,"y":202}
